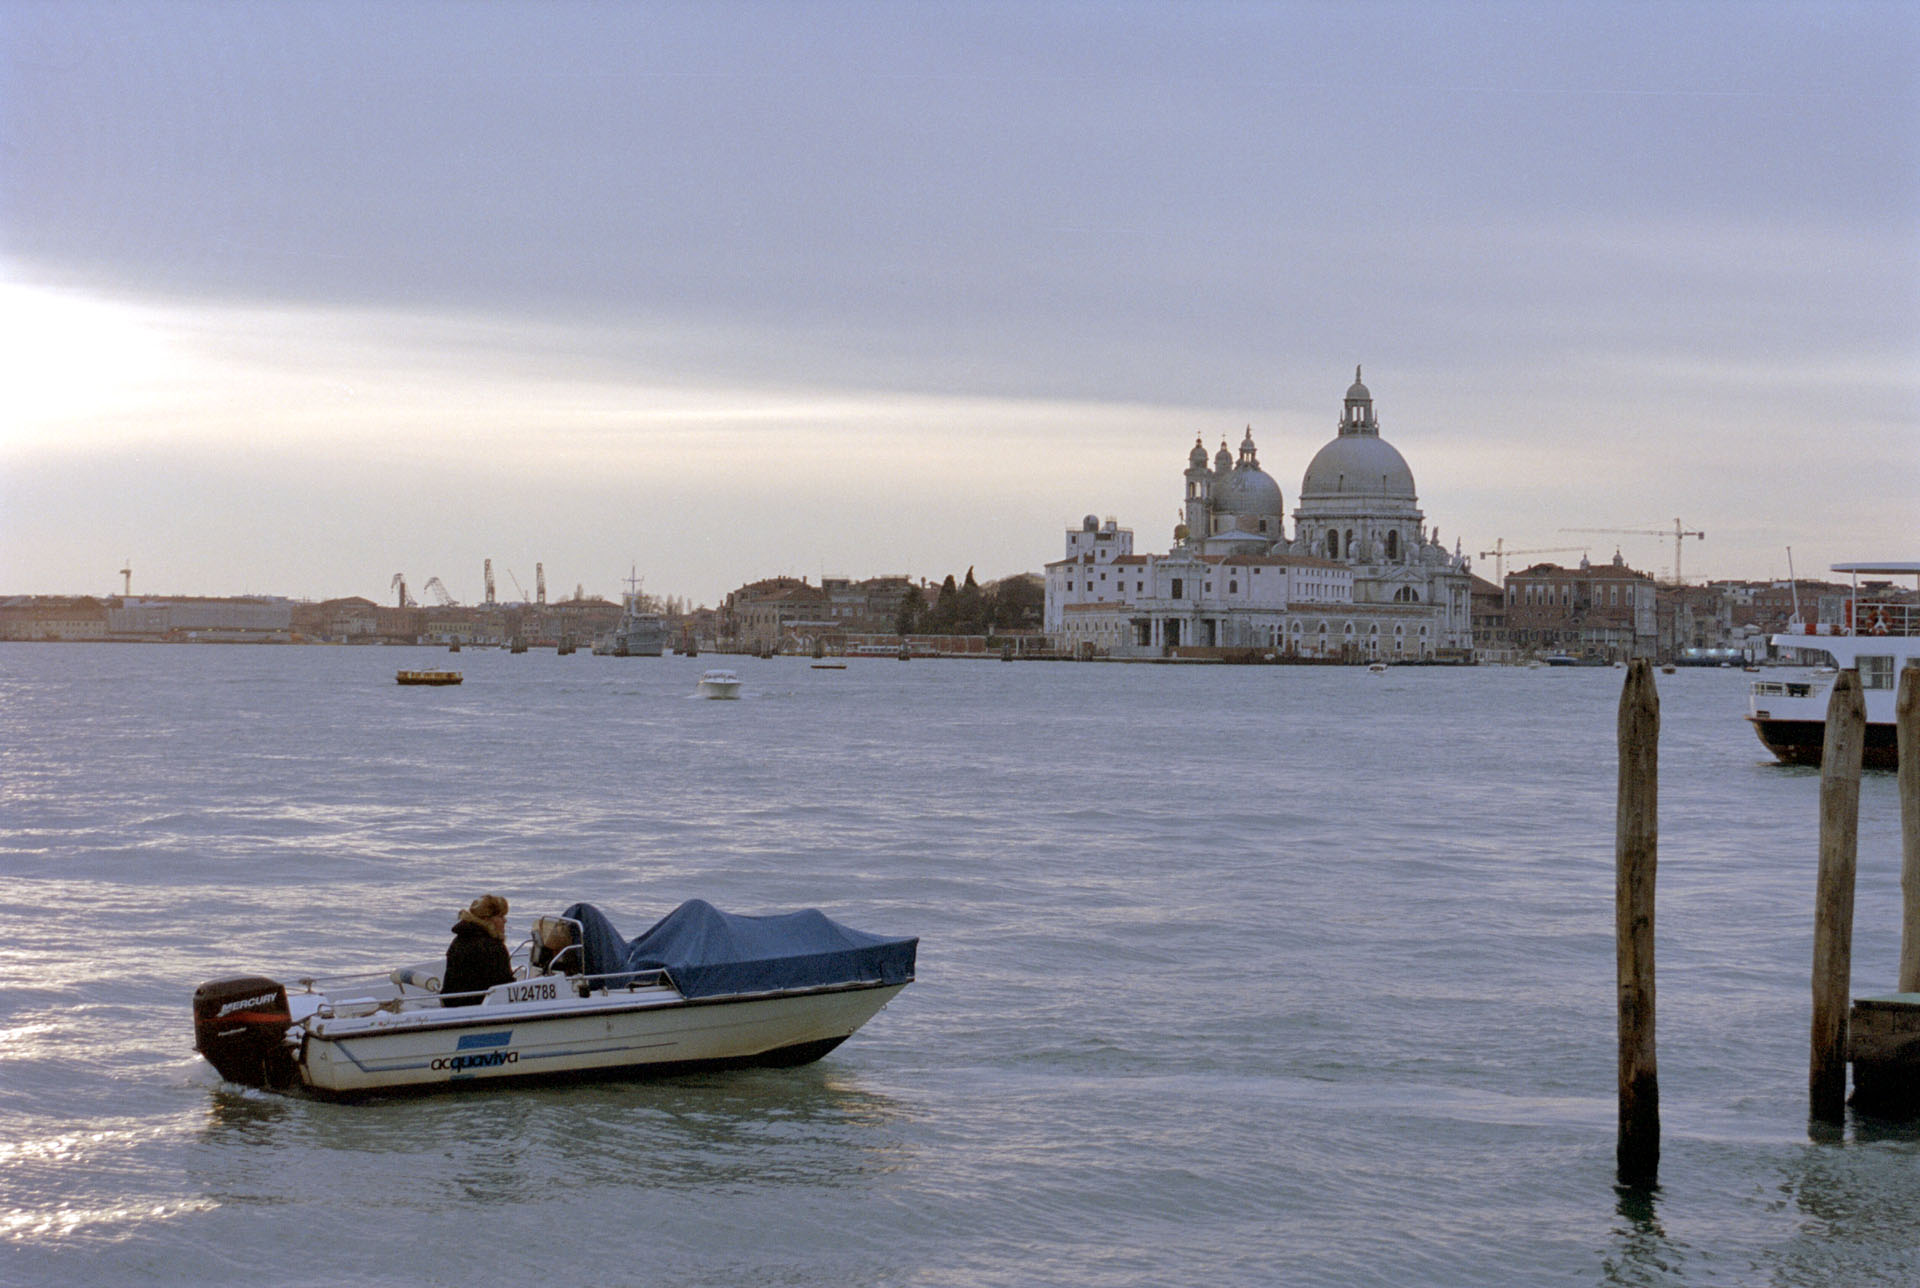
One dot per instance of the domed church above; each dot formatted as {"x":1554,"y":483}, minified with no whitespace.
{"x":1362,"y":578}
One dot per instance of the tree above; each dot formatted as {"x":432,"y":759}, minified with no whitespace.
{"x":970,"y":611}
{"x":1018,"y":601}
{"x":906,"y":621}
{"x":946,"y":609}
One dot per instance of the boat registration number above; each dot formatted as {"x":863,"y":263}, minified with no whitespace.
{"x":541,"y":990}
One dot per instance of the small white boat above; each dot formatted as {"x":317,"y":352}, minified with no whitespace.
{"x":1376,"y":668}
{"x":719,"y":684}
{"x":702,"y":989}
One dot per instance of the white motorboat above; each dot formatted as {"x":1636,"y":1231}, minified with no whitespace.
{"x":1376,"y":668}
{"x":1878,"y":637}
{"x":719,"y":684}
{"x":702,"y":989}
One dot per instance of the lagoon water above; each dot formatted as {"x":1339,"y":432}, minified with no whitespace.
{"x":1228,"y":975}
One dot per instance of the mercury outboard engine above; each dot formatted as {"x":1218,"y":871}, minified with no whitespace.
{"x":240,"y":1025}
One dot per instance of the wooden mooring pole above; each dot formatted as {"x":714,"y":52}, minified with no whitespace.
{"x":1833,"y":898}
{"x":1906,"y":722}
{"x":1636,"y":854}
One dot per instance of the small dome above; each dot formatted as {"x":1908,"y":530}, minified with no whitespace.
{"x":1090,"y":524}
{"x":1223,"y":459}
{"x":1358,"y":391}
{"x":1249,"y":491}
{"x":1198,"y":456}
{"x":1358,"y":465}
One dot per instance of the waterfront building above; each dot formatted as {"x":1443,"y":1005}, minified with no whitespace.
{"x":791,"y":613}
{"x":252,"y":618}
{"x":1603,"y":611}
{"x":1362,"y":577}
{"x":1491,"y":642}
{"x":53,"y":617}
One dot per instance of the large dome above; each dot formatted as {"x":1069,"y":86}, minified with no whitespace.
{"x":1358,"y":465}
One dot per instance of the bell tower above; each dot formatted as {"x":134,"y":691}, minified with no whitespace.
{"x":1199,"y":491}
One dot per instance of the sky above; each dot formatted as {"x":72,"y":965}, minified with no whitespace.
{"x":296,"y":297}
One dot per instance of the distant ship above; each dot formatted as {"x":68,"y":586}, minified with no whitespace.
{"x":641,"y":632}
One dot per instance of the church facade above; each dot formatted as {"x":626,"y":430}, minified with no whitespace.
{"x":1361,"y":578}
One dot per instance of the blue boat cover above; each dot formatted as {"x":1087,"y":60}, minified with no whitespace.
{"x":707,"y":952}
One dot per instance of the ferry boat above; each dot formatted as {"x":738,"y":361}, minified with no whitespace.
{"x":1876,"y":637}
{"x":427,"y":677}
{"x":702,"y":989}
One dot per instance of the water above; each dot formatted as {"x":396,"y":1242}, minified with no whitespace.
{"x":1227,"y":975}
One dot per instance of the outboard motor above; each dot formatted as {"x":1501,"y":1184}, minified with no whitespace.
{"x":240,"y":1025}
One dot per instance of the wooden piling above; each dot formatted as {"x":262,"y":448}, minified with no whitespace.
{"x":1833,"y":898}
{"x":1906,"y":723}
{"x":1636,"y":855}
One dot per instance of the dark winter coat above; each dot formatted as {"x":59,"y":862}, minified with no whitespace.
{"x":475,"y":961}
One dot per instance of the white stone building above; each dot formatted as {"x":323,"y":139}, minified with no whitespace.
{"x":1361,"y":578}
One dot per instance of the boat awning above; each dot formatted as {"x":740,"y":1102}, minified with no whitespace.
{"x":1879,"y":569}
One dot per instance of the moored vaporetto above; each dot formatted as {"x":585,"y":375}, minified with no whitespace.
{"x":1878,"y":636}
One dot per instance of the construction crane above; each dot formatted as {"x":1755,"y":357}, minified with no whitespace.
{"x":540,"y":582}
{"x":1678,"y":534}
{"x":127,"y":573}
{"x":488,"y":566}
{"x":1500,"y":554}
{"x":403,"y":599}
{"x":517,"y":586}
{"x":438,"y":590}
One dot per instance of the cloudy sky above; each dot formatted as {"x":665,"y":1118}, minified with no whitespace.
{"x":294,"y":297}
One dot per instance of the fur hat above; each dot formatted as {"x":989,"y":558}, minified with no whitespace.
{"x":481,"y":913}
{"x":487,"y":906}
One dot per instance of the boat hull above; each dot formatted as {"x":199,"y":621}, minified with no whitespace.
{"x":1803,"y":742}
{"x":601,"y":1037}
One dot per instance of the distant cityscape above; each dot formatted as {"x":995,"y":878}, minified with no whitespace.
{"x":1599,"y":612}
{"x":785,"y":614}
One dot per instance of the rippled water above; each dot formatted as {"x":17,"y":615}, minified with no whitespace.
{"x":1227,"y":975}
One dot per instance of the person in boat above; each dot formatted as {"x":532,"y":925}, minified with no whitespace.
{"x":552,"y":937}
{"x":477,"y":959}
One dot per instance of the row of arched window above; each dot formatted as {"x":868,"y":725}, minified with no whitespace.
{"x":1335,"y":544}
